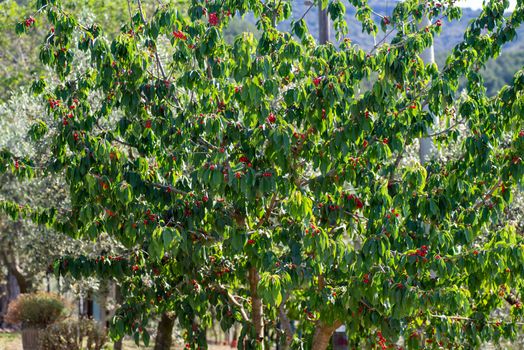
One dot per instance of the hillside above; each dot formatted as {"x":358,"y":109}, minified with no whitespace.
{"x":497,"y":72}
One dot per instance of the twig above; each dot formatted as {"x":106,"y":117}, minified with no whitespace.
{"x":487,"y":195}
{"x":462,"y":318}
{"x":159,"y":63}
{"x":235,"y":302}
{"x":445,"y":130}
{"x":269,"y":209}
{"x":307,"y":10}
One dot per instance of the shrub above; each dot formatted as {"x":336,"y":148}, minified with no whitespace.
{"x":36,"y":310}
{"x":74,"y":335}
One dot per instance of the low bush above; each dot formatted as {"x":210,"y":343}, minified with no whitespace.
{"x":36,"y":310}
{"x":74,"y":334}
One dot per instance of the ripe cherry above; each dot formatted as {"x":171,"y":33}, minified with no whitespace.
{"x":213,"y":19}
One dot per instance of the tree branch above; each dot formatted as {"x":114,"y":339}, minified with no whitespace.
{"x":159,"y":63}
{"x":257,"y":310}
{"x":487,"y":195}
{"x":269,"y":209}
{"x":235,"y":302}
{"x":285,"y":322}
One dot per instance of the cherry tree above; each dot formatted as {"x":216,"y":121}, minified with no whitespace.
{"x":256,"y":180}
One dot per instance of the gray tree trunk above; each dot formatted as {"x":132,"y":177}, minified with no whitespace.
{"x":323,"y":25}
{"x":427,"y":147}
{"x":9,"y":291}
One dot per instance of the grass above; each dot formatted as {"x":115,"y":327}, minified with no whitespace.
{"x":13,"y":341}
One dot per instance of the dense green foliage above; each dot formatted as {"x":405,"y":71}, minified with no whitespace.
{"x":253,"y":177}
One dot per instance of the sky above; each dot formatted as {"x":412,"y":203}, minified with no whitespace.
{"x":477,"y":4}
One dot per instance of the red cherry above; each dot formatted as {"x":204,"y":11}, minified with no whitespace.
{"x":135,"y":268}
{"x":179,"y":35}
{"x":271,"y":118}
{"x":148,"y":124}
{"x":438,"y":23}
{"x":213,"y":19}
{"x":317,"y":81}
{"x":521,"y":133}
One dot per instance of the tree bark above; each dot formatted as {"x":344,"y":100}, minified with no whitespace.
{"x":23,"y":282}
{"x":118,"y":298}
{"x":9,"y":291}
{"x":427,"y":147}
{"x":323,"y":25}
{"x":285,"y":325}
{"x":164,"y":335}
{"x":257,"y":311}
{"x":323,"y":335}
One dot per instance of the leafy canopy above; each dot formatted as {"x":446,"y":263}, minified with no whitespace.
{"x":257,"y":179}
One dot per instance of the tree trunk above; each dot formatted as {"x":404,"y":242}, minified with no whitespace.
{"x":257,"y":311}
{"x":427,"y":147}
{"x":8,"y":292}
{"x":323,"y":25}
{"x":323,"y":335}
{"x":118,"y":298}
{"x":9,"y":262}
{"x":285,"y":325}
{"x":164,"y":335}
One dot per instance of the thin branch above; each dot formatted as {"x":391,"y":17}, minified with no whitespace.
{"x":159,"y":63}
{"x":307,"y":10}
{"x":397,"y":162}
{"x":269,"y":209}
{"x":462,"y":318}
{"x":169,"y":188}
{"x":236,"y":303}
{"x":487,"y":195}
{"x":129,"y":11}
{"x":445,"y":130}
{"x":284,"y":321}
